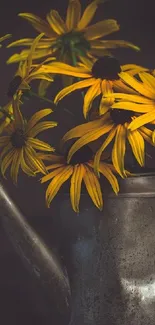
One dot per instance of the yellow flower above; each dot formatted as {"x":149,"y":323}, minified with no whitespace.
{"x":74,"y":35}
{"x":143,"y":101}
{"x":3,"y":38}
{"x":101,"y":76}
{"x":26,"y":73}
{"x":113,"y":124}
{"x":80,"y":169}
{"x":20,"y":144}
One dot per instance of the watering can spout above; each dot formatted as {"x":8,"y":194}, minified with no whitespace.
{"x":39,"y":260}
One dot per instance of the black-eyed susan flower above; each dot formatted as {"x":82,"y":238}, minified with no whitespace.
{"x":19,"y":146}
{"x":101,"y":76}
{"x":80,"y":169}
{"x":26,"y":73}
{"x":72,"y":35}
{"x":113,"y":124}
{"x":143,"y":101}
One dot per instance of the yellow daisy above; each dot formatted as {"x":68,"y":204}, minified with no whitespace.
{"x":18,"y":147}
{"x":100,"y":75}
{"x":113,"y":124}
{"x":26,"y":73}
{"x":142,"y":102}
{"x":72,"y":35}
{"x":79,"y":169}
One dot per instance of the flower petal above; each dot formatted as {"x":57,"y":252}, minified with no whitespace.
{"x":73,"y":14}
{"x":38,"y":75}
{"x":99,"y":52}
{"x":82,"y":129}
{"x":39,"y":24}
{"x":53,"y":173}
{"x":153,"y":136}
{"x":16,"y":161}
{"x":107,"y":100}
{"x":120,"y":86}
{"x":50,"y":167}
{"x":40,"y":53}
{"x":4,"y":124}
{"x":7,"y":161}
{"x":137,"y":85}
{"x":118,"y":151}
{"x":36,"y":118}
{"x":87,"y":62}
{"x":105,"y":104}
{"x":91,"y":94}
{"x":133,"y":67}
{"x":31,"y":52}
{"x":7,"y":148}
{"x":146,"y":134}
{"x":25,"y":168}
{"x":148,"y":80}
{"x":51,"y":157}
{"x":93,"y":187}
{"x":100,"y":29}
{"x":141,"y":120}
{"x":132,"y":98}
{"x":3,"y":38}
{"x":106,"y":171}
{"x":56,"y":22}
{"x":78,"y":85}
{"x":63,"y":68}
{"x":88,"y":15}
{"x":139,"y":108}
{"x":43,"y":44}
{"x":57,"y":182}
{"x":111,"y":44}
{"x":4,"y":140}
{"x":137,"y":144}
{"x":89,"y":137}
{"x":75,"y":188}
{"x":34,"y":161}
{"x":39,"y":145}
{"x":42,"y":126}
{"x":104,"y":145}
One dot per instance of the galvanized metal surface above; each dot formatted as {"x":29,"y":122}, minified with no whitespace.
{"x":110,"y":256}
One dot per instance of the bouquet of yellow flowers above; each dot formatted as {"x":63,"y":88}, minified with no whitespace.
{"x":118,"y":103}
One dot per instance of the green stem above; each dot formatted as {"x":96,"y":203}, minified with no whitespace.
{"x":49,"y":101}
{"x":74,"y":62}
{"x":73,"y":57}
{"x":32,"y":93}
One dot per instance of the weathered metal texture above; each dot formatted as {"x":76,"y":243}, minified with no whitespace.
{"x":37,"y":257}
{"x":110,"y":256}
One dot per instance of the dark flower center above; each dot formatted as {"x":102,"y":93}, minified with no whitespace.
{"x":106,"y":67}
{"x":81,"y":156}
{"x":121,"y":116}
{"x":13,"y":86}
{"x":18,"y":138}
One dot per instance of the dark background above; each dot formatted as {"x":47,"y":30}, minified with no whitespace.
{"x":137,"y":20}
